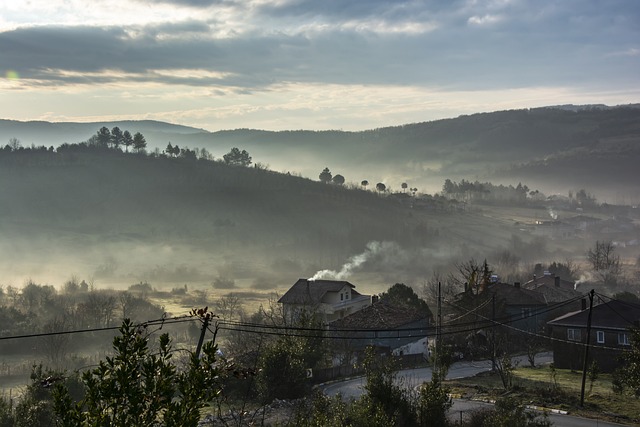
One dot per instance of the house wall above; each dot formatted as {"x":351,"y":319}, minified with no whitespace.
{"x":570,"y":355}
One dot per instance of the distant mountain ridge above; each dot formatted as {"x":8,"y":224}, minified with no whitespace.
{"x":548,"y":147}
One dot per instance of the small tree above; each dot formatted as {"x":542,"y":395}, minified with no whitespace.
{"x":364,"y":183}
{"x":381,"y":187}
{"x":338,"y":179}
{"x":325,"y":176}
{"x":138,"y":388}
{"x":404,"y":187}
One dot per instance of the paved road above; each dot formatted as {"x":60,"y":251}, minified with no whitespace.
{"x":414,"y":377}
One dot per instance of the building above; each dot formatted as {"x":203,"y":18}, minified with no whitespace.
{"x":333,"y":299}
{"x":609,"y":337}
{"x":387,"y":325}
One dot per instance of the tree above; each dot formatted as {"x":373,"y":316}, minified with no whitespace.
{"x":325,"y":176}
{"x":14,"y":144}
{"x":381,"y":187}
{"x":139,"y":142}
{"x":605,"y":262}
{"x":139,"y":387}
{"x":116,"y":137}
{"x":364,"y":183}
{"x":629,"y":373}
{"x":169,"y":149}
{"x":338,"y":179}
{"x":404,"y":187}
{"x":402,"y":294}
{"x":127,"y":140}
{"x":235,"y":157}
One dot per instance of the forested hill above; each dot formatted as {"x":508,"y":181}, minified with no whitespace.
{"x":118,"y":216}
{"x":554,"y":149}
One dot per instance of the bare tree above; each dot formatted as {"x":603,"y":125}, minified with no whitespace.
{"x":605,"y":262}
{"x":229,"y":307}
{"x":55,"y":346}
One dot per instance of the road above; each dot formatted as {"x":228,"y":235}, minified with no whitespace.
{"x":414,"y":377}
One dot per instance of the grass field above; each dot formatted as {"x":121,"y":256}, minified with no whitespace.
{"x":537,"y":386}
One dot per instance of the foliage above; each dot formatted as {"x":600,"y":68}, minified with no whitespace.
{"x":325,"y":411}
{"x":284,"y":362}
{"x":509,"y":412}
{"x":338,"y":179}
{"x":381,"y":187}
{"x":405,"y":295}
{"x":382,"y":391}
{"x":629,"y":374}
{"x":141,"y":388}
{"x":235,"y":157}
{"x":433,"y":403}
{"x":505,"y":367}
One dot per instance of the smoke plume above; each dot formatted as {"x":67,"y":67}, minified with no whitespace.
{"x":372,"y":249}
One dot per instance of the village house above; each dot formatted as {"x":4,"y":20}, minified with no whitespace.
{"x":333,"y":299}
{"x":386,"y":325}
{"x":609,"y":337}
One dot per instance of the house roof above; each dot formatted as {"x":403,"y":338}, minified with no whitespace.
{"x":381,"y":315}
{"x":548,"y":280}
{"x":553,"y":288}
{"x":613,"y":314}
{"x":515,"y":295}
{"x":306,"y":291}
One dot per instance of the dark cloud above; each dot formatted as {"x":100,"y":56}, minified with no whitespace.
{"x":513,"y":45}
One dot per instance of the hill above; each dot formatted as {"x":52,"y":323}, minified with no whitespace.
{"x":120,"y":218}
{"x":556,"y":149}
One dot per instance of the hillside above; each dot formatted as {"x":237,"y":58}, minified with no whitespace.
{"x":554,"y":149}
{"x":119,"y":218}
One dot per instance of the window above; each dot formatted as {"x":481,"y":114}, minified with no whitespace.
{"x":573,"y":334}
{"x":341,"y":297}
{"x":526,"y":312}
{"x":600,"y":337}
{"x":623,"y":339}
{"x":346,"y":296}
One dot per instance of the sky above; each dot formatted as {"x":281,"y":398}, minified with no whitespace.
{"x":311,"y":64}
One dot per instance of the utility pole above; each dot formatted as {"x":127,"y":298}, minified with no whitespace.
{"x":205,"y":324}
{"x":436,"y":363}
{"x":586,"y":348}
{"x":493,"y":333}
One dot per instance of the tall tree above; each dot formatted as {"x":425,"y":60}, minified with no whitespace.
{"x":139,"y":142}
{"x":103,"y":137}
{"x":116,"y":137}
{"x":127,"y":140}
{"x":605,"y":262}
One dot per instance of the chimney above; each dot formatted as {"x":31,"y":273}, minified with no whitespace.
{"x":584,"y":304}
{"x":516,"y":285}
{"x":557,"y":281}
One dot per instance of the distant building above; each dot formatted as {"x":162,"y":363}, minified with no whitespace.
{"x":334,"y":299}
{"x":610,"y":323}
